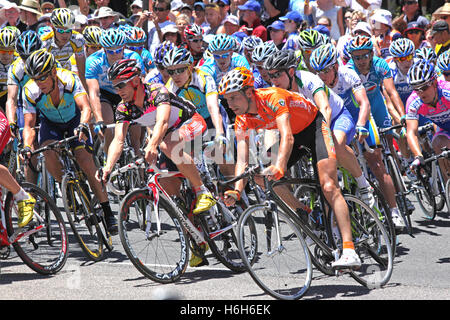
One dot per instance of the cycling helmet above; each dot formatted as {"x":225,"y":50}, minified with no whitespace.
{"x":39,"y":63}
{"x":264,"y":50}
{"x":27,"y":43}
{"x":251,"y":42}
{"x":402,"y":47}
{"x":421,"y":72}
{"x":193,"y":31}
{"x":360,"y":43}
{"x":346,"y":56}
{"x":135,"y":35}
{"x":161,"y":51}
{"x":309,"y":39}
{"x":283,"y":59}
{"x":124,"y":69}
{"x":443,"y":62}
{"x":112,"y":38}
{"x":14,"y":29}
{"x":426,"y":53}
{"x":92,"y":35}
{"x":236,"y":80}
{"x":221,"y":42}
{"x":7,"y":38}
{"x":177,"y":56}
{"x":323,"y":57}
{"x":44,"y":30}
{"x":62,"y":18}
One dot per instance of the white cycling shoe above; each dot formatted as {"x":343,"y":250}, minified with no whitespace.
{"x":348,"y":260}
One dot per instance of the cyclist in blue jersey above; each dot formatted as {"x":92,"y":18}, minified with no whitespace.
{"x":259,"y":56}
{"x":63,"y":108}
{"x":347,"y":84}
{"x":375,"y":74}
{"x":443,"y":66}
{"x":136,"y":39}
{"x":102,"y":95}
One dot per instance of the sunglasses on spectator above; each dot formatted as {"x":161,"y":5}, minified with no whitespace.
{"x":414,"y":32}
{"x":362,"y":57}
{"x":423,"y":88}
{"x":160,"y":9}
{"x":112,"y":52}
{"x":62,"y":31}
{"x":410,"y":2}
{"x":407,"y":58}
{"x":135,"y":48}
{"x":444,"y":17}
{"x":122,"y":84}
{"x":223,"y":56}
{"x":42,"y":78}
{"x":174,"y":72}
{"x":276,"y":75}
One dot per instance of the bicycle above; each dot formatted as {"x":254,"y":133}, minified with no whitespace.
{"x":83,"y":212}
{"x":285,"y":247}
{"x":157,"y":230}
{"x":43,"y":243}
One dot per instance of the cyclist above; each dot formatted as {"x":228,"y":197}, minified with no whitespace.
{"x":194,"y":41}
{"x":346,"y":83}
{"x":63,"y":41}
{"x":375,"y":73}
{"x":92,"y":36}
{"x":443,"y":64}
{"x":159,"y":74}
{"x":63,"y":108}
{"x":431,"y":99}
{"x":299,"y":123}
{"x":136,"y":39}
{"x":308,"y":41}
{"x":198,"y":87}
{"x":248,"y":45}
{"x":259,"y":56}
{"x":102,"y":95}
{"x":426,"y":53}
{"x":7,"y":42}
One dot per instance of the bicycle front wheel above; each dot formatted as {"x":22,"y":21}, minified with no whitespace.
{"x":155,"y":242}
{"x":82,"y":218}
{"x":281,"y":261}
{"x":42,"y":244}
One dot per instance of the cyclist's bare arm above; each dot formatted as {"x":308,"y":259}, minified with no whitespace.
{"x":212,"y":101}
{"x":116,"y":147}
{"x":321,"y":101}
{"x":11,"y":103}
{"x":286,"y":141}
{"x":390,"y":90}
{"x":242,"y":160}
{"x":364,"y":106}
{"x":81,"y":65}
{"x":412,"y":136}
{"x":28,"y":131}
{"x":94,"y":98}
{"x":82,"y":102}
{"x":158,"y":132}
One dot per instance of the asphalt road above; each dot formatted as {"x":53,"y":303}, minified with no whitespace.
{"x":421,"y":272}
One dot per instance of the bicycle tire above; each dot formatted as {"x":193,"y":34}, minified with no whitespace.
{"x":106,"y":236}
{"x":447,"y":194}
{"x":372,"y":244}
{"x":424,"y":195}
{"x":46,"y":250}
{"x":166,"y":265}
{"x":289,"y":281}
{"x":439,"y":193}
{"x":82,"y":218}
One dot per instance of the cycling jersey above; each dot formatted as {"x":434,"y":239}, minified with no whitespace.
{"x":4,"y":79}
{"x":400,"y":81}
{"x":259,"y":81}
{"x":210,"y":66}
{"x":16,"y":73}
{"x":70,"y":87}
{"x":154,"y":76}
{"x":147,"y":59}
{"x":440,"y":115}
{"x":200,"y":86}
{"x":75,"y":45}
{"x":97,"y":66}
{"x":372,"y":81}
{"x":273,"y":102}
{"x":155,"y":96}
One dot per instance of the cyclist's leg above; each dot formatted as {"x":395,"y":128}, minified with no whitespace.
{"x":440,"y":140}
{"x":108,"y":118}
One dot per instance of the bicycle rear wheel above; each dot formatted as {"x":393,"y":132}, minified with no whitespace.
{"x":82,"y":218}
{"x":425,"y":197}
{"x":372,"y":244}
{"x":42,"y":244}
{"x":282,"y":265}
{"x":160,"y":255}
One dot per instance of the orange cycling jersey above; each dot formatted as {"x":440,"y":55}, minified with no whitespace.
{"x":274,"y":102}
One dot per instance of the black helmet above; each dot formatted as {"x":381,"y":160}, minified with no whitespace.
{"x":283,"y":59}
{"x":39,"y":63}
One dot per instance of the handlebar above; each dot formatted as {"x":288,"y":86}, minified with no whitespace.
{"x":54,"y":145}
{"x":444,"y":154}
{"x":248,"y":172}
{"x":384,"y":130}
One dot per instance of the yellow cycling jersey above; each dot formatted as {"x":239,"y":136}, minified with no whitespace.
{"x":75,"y":46}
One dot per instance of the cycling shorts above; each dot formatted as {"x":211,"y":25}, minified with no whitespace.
{"x":344,"y":122}
{"x":5,"y":131}
{"x":111,"y":98}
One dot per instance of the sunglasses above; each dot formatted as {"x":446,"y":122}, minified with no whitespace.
{"x":407,"y":58}
{"x":195,"y":40}
{"x":160,"y":9}
{"x":362,"y":57}
{"x":423,"y":88}
{"x":62,"y":31}
{"x":174,"y":72}
{"x":96,"y":48}
{"x":135,"y":48}
{"x":223,"y":56}
{"x":276,"y":75}
{"x":42,"y":78}
{"x":112,"y":52}
{"x":122,"y":84}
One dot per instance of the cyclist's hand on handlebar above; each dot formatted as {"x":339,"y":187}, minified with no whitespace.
{"x":362,"y":132}
{"x":230,"y":197}
{"x":151,"y":155}
{"x":14,"y":129}
{"x":25,"y":153}
{"x":99,"y":128}
{"x":220,"y":140}
{"x":273,"y":173}
{"x":418,"y":161}
{"x":102,"y":175}
{"x":83,"y":132}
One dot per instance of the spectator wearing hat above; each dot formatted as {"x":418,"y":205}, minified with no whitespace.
{"x":250,"y":13}
{"x":416,"y":33}
{"x":187,"y":10}
{"x":224,"y":6}
{"x":106,"y":16}
{"x":292,"y":22}
{"x":171,"y":33}
{"x":381,"y":22}
{"x":213,"y":17}
{"x":136,"y":7}
{"x":47,"y":6}
{"x":411,"y":11}
{"x":441,"y":36}
{"x":364,"y":6}
{"x":30,"y":12}
{"x":277,"y":33}
{"x":10,"y":13}
{"x":199,"y":15}
{"x":442,"y":13}
{"x":319,"y":8}
{"x":231,"y":24}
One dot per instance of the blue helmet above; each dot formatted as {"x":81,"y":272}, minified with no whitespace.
{"x":402,"y":47}
{"x":323,"y":57}
{"x":112,"y":38}
{"x":426,"y":53}
{"x":443,"y":62}
{"x":360,"y":43}
{"x":221,"y":42}
{"x":421,"y":72}
{"x":161,"y":51}
{"x":27,"y":43}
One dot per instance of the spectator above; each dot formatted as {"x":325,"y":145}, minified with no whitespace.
{"x":84,"y":7}
{"x":381,"y":22}
{"x":348,"y":20}
{"x":182,"y":22}
{"x":234,"y":4}
{"x":292,"y":25}
{"x":399,"y":24}
{"x":320,"y":8}
{"x":199,"y":15}
{"x":416,"y":33}
{"x":47,"y":6}
{"x":443,"y":13}
{"x":224,"y":6}
{"x":136,"y":7}
{"x":411,"y":10}
{"x":188,"y":11}
{"x":250,"y":12}
{"x":106,"y":16}
{"x":10,"y":13}
{"x":364,"y":6}
{"x":273,"y":10}
{"x":171,"y":33}
{"x":231,"y":24}
{"x":30,"y":12}
{"x":277,"y":34}
{"x":213,"y":17}
{"x":441,"y":36}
